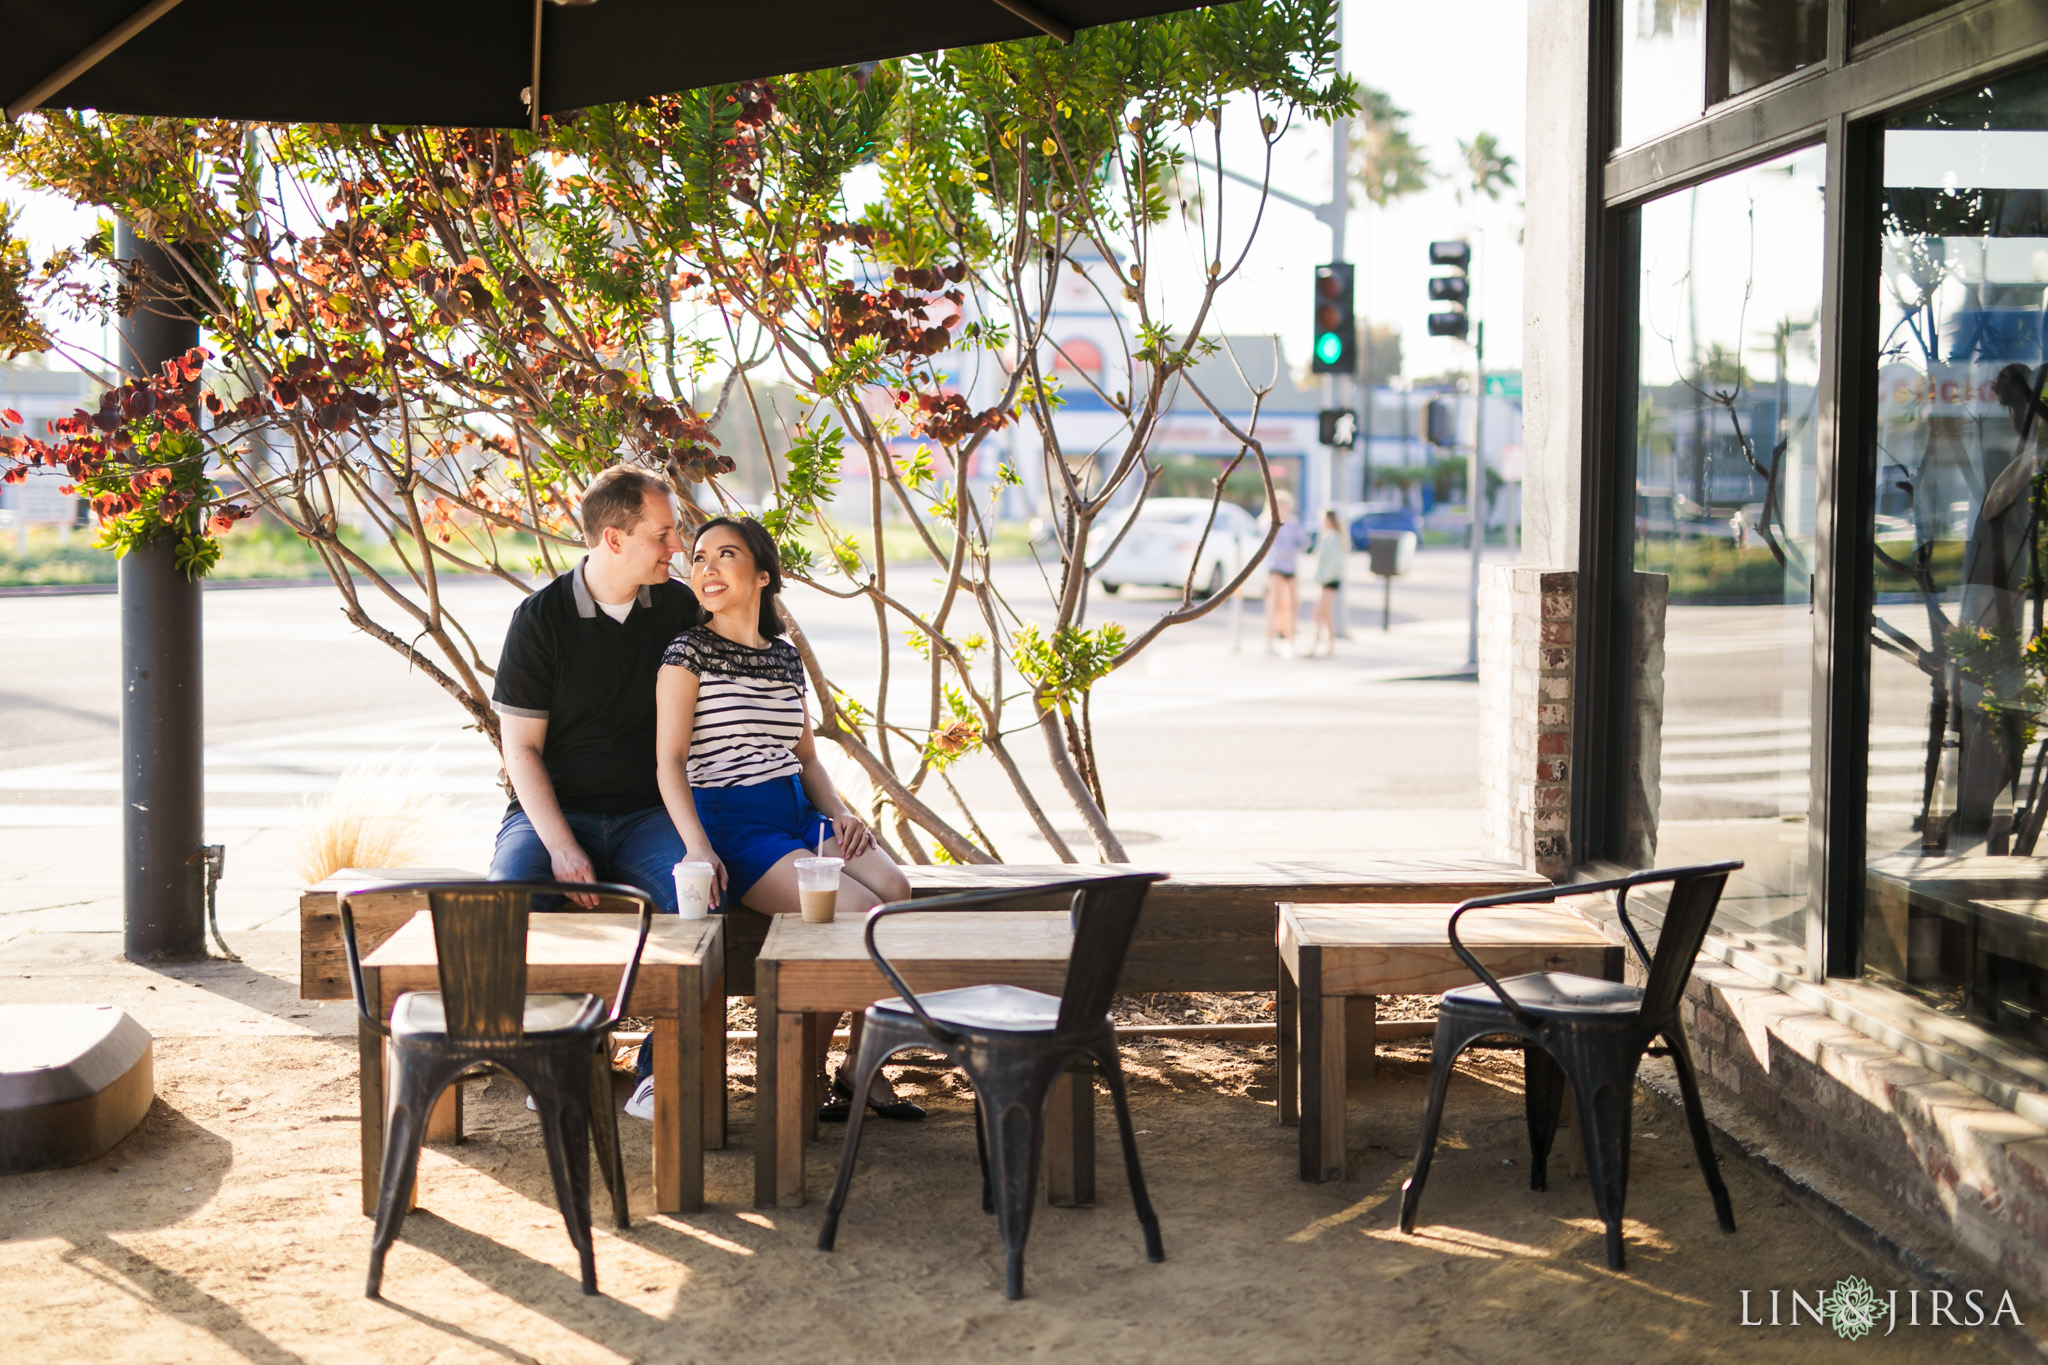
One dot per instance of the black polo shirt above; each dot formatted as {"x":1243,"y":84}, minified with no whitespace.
{"x":592,"y":680}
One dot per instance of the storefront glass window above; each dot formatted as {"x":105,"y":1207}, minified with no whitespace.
{"x":1766,"y":39}
{"x":1661,"y":77}
{"x":1727,"y":370}
{"x":1873,"y":17}
{"x":1956,"y":899}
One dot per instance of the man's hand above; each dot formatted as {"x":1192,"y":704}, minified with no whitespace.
{"x":573,"y":865}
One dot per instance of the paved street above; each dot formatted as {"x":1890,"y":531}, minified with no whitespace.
{"x":1211,"y":748}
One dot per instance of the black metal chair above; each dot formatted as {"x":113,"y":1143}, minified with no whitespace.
{"x":1589,"y":1034}
{"x":482,"y":1015}
{"x":1014,"y":1044}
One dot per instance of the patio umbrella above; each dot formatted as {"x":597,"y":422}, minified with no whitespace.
{"x":469,"y":63}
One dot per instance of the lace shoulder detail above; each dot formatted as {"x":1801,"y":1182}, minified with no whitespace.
{"x":708,"y":654}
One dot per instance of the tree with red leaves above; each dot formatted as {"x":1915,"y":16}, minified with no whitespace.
{"x":435,"y":338}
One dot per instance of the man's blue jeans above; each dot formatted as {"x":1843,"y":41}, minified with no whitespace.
{"x":640,"y":849}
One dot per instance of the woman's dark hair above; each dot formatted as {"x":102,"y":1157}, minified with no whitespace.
{"x":761,"y":549}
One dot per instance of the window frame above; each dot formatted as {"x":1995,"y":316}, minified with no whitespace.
{"x":1840,"y":102}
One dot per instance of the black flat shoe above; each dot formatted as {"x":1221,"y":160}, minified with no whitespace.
{"x":903,"y":1111}
{"x":836,"y":1108}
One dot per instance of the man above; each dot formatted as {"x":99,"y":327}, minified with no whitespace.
{"x":575,"y":697}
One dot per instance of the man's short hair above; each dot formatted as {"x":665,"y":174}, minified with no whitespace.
{"x":618,"y":497}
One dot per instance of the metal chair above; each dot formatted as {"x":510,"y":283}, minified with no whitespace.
{"x":483,"y":1015}
{"x":1014,"y":1044}
{"x":1591,"y":1034}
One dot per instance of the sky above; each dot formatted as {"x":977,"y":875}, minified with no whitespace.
{"x":1457,"y":66}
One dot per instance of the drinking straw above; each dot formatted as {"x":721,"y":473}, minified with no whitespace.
{"x":822,"y":827}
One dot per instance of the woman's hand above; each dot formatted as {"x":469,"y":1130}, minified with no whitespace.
{"x":705,"y":855}
{"x":855,"y":838}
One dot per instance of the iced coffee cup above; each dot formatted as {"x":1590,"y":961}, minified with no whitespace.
{"x":817,"y":887}
{"x":693,"y":889}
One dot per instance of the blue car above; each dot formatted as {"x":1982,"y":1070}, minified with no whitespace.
{"x":1382,"y":519}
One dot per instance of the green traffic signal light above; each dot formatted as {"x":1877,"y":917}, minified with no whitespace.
{"x":1329,"y":348}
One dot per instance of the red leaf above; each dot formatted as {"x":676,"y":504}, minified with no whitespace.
{"x":13,"y":417}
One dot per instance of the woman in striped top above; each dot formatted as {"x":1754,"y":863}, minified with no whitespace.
{"x":737,"y":763}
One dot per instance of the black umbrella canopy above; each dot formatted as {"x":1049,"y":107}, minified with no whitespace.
{"x":469,"y":63}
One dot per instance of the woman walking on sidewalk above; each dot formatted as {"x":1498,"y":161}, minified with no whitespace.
{"x":1283,"y":562}
{"x":1330,"y":548}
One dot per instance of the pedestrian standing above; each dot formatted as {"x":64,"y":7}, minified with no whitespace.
{"x":1283,"y":562}
{"x":1330,"y":548}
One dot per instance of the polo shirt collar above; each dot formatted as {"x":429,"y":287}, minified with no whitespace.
{"x":586,"y":605}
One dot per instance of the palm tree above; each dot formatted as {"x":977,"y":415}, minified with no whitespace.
{"x":1384,"y":158}
{"x":1491,"y":170}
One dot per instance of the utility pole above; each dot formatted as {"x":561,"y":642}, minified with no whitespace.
{"x":1475,"y":492}
{"x":1341,"y":390}
{"x":1455,"y":293}
{"x":162,"y":787}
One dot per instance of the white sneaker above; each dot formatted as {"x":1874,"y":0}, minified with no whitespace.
{"x":641,"y":1104}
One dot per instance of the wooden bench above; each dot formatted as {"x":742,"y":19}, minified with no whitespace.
{"x":1206,"y":928}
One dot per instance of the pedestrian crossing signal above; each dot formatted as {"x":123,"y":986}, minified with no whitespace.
{"x":1337,"y":427}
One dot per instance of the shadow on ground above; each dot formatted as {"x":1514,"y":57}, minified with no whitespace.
{"x":232,"y":1230}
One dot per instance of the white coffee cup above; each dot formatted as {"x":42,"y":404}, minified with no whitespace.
{"x":693,"y":889}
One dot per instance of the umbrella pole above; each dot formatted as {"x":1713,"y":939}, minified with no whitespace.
{"x":162,"y":792}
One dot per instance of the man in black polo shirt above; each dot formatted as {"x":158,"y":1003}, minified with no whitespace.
{"x":575,"y":697}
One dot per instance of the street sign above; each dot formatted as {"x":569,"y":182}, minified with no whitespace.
{"x":1337,"y":427}
{"x":1504,"y":385}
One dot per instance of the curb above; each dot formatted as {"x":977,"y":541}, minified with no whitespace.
{"x":209,"y":585}
{"x":1847,"y":1209}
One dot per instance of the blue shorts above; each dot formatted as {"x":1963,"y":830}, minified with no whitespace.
{"x":753,"y":828}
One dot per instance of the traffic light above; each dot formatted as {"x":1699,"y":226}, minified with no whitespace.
{"x":1440,"y":423}
{"x":1455,"y":289}
{"x":1336,"y":332}
{"x":1337,"y":427}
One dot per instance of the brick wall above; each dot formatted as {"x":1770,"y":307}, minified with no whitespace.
{"x":1968,"y":1168}
{"x":1970,"y":1171}
{"x":1527,"y":620}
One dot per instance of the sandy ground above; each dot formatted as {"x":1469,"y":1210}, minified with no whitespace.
{"x":228,"y":1228}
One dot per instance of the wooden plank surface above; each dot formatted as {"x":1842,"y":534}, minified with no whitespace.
{"x":569,"y":952}
{"x":826,"y":967}
{"x":1207,"y":927}
{"x":1392,"y":950}
{"x":323,"y":962}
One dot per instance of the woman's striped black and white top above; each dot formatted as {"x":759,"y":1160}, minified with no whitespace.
{"x":750,"y":708}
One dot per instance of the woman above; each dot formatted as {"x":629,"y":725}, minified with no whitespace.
{"x":1283,"y":598}
{"x":1330,"y":548}
{"x":738,"y":766}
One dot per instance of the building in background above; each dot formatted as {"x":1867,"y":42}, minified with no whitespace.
{"x":1785,"y":309}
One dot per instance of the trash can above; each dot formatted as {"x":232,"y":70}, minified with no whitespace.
{"x":1392,"y":552}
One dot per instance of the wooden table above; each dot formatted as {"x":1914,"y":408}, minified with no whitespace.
{"x":809,"y":970}
{"x":1333,"y":954}
{"x":1207,"y":927}
{"x":680,"y":988}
